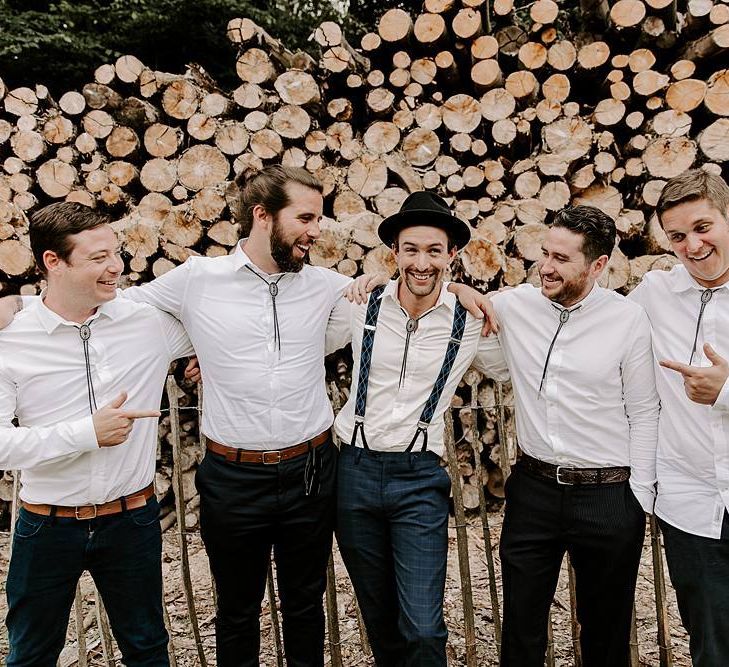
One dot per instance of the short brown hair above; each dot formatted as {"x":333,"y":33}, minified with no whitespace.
{"x":52,"y":226}
{"x":693,"y":185}
{"x":268,"y":188}
{"x":596,"y":228}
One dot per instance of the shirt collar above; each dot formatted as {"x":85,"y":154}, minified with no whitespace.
{"x":681,"y":280}
{"x":592,"y":297}
{"x":52,"y":320}
{"x":241,"y":260}
{"x":445,"y":298}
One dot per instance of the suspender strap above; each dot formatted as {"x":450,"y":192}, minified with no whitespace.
{"x":459,"y":323}
{"x":365,"y":361}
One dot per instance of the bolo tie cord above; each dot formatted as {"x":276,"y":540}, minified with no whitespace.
{"x":564,"y":316}
{"x":705,"y":298}
{"x":411,"y":326}
{"x":273,"y":291}
{"x":84,"y":332}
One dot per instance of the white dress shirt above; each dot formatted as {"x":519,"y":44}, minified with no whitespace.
{"x":256,"y":396}
{"x":693,"y":439}
{"x":43,"y":383}
{"x":598,"y":406}
{"x":393,"y":410}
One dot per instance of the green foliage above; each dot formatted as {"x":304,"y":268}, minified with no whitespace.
{"x":61,"y":43}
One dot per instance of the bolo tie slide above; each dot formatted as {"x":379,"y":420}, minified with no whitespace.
{"x":705,"y":298}
{"x":84,"y":332}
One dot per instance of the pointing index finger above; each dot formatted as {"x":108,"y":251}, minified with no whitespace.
{"x":140,"y":414}
{"x":684,"y":369}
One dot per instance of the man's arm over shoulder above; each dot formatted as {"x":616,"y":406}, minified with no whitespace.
{"x":490,"y":359}
{"x":26,"y":447}
{"x":167,"y":292}
{"x":174,"y":336}
{"x":641,"y":407}
{"x":339,"y":325}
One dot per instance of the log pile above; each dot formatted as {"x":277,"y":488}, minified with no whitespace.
{"x":509,"y":112}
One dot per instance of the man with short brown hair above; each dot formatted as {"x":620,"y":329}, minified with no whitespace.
{"x":586,"y":420}
{"x":688,"y":307}
{"x":78,"y":368}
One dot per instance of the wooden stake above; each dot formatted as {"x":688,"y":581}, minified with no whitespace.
{"x":634,"y":653}
{"x":335,"y":642}
{"x":462,"y":542}
{"x":78,"y":615}
{"x":168,"y":625}
{"x":501,"y":426}
{"x":574,"y":623}
{"x":102,"y":621}
{"x":173,"y":397}
{"x":659,"y":583}
{"x":493,"y":592}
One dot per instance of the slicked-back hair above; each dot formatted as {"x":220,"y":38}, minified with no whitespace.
{"x":596,"y":228}
{"x":268,"y":188}
{"x":694,"y":185}
{"x":52,"y":227}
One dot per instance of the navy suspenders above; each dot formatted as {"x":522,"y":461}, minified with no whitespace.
{"x":368,"y":339}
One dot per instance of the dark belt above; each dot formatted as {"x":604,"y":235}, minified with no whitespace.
{"x":267,"y":457}
{"x":564,"y":475}
{"x":84,"y":512}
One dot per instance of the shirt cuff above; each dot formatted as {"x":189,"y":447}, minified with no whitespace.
{"x":647,"y":499}
{"x":722,"y":400}
{"x":84,"y":434}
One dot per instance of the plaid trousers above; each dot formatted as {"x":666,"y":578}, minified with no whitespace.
{"x":392,"y":530}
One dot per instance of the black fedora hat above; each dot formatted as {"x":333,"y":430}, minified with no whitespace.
{"x":428,"y":209}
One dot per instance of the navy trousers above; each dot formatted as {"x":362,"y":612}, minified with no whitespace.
{"x":392,"y":531}
{"x":602,"y":527}
{"x":699,"y":569}
{"x":123,"y":554}
{"x":245,"y":510}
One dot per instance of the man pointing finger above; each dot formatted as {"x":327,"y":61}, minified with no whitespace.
{"x":79,"y":370}
{"x":703,"y":384}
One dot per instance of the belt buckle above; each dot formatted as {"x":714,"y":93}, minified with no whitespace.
{"x":558,"y":472}
{"x":271,"y":461}
{"x":82,"y":507}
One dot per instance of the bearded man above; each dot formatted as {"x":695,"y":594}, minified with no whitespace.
{"x":587,"y":421}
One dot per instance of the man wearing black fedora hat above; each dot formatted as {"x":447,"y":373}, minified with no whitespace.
{"x":411,"y":344}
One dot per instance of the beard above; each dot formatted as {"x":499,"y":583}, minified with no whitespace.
{"x":283,"y":252}
{"x":570,"y":291}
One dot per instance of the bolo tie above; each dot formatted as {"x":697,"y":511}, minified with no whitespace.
{"x":273,"y":291}
{"x":705,"y":298}
{"x":411,"y":326}
{"x":84,"y":332}
{"x":564,"y":316}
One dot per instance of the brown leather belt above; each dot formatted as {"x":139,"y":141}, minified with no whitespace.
{"x":267,"y":457}
{"x":563,"y":475}
{"x":84,"y":512}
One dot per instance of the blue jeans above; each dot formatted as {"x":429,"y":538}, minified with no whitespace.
{"x":123,"y":554}
{"x":699,"y":569}
{"x":392,"y":531}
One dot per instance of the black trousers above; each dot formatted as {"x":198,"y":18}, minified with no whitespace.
{"x":602,"y":527}
{"x":699,"y":569}
{"x":246,"y":510}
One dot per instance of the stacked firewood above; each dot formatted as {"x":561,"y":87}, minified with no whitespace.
{"x":510,"y":112}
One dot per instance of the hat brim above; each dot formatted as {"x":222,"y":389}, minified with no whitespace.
{"x":458,"y":231}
